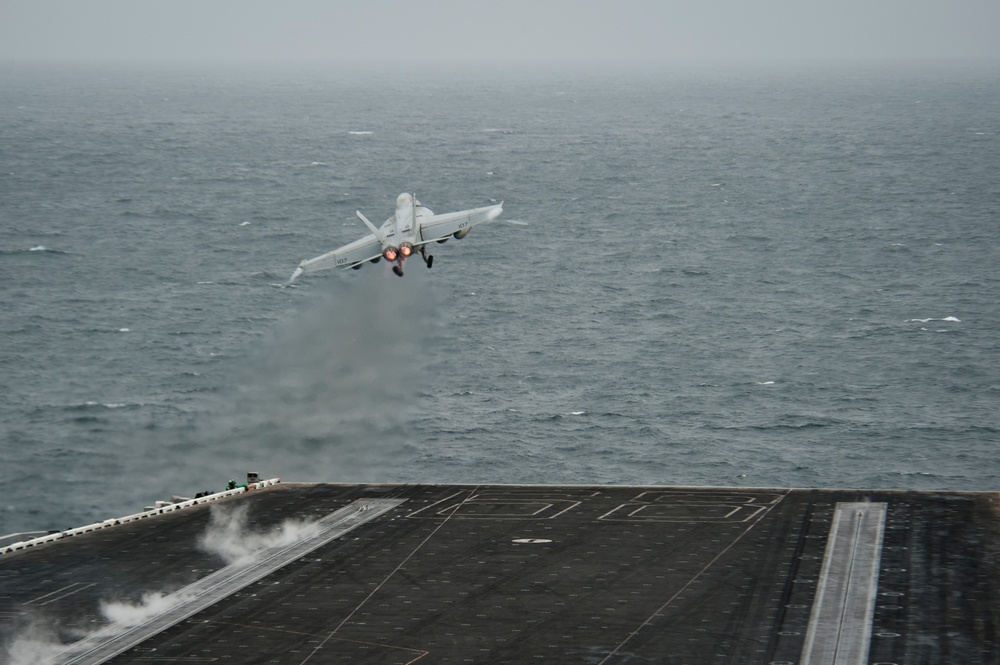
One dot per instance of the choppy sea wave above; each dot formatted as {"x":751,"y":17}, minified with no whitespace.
{"x":700,"y":278}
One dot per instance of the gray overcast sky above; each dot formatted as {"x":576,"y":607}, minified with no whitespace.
{"x":496,"y":31}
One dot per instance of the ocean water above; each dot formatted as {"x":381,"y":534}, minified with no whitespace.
{"x":759,"y":277}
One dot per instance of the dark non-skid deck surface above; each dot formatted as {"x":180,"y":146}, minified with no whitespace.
{"x":509,"y":574}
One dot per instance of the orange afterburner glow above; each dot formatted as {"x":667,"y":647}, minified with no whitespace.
{"x":389,"y":253}
{"x":406,"y":249}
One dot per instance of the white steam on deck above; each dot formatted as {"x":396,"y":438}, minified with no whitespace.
{"x":230,"y":537}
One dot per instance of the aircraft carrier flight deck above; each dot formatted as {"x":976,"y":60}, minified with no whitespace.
{"x":307,"y":574}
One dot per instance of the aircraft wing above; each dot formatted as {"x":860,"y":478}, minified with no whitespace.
{"x":438,"y":227}
{"x":359,"y":251}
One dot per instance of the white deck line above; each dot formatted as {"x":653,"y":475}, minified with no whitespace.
{"x":114,"y":640}
{"x":153,"y":512}
{"x":840,"y":624}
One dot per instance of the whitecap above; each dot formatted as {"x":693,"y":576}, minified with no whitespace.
{"x":39,"y":248}
{"x":360,"y":133}
{"x":244,"y":223}
{"x":765,"y":383}
{"x":577,"y":413}
{"x":949,"y":319}
{"x":517,"y":222}
{"x":108,"y":405}
{"x":124,"y":330}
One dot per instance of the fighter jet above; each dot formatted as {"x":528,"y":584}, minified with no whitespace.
{"x":411,"y":228}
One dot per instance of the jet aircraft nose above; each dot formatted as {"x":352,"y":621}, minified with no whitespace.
{"x":403,"y":199}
